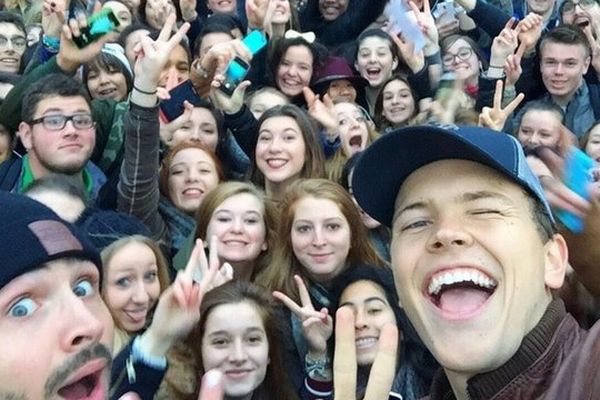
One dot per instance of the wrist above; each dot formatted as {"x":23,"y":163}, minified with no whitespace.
{"x":149,"y":343}
{"x":66,"y":65}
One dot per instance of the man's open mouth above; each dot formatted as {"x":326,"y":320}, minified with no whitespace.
{"x":87,"y":387}
{"x":460,"y":292}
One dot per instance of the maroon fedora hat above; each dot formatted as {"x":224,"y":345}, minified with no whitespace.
{"x":336,"y":68}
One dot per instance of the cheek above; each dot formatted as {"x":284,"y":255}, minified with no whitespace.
{"x":116,"y":298}
{"x":153,"y":290}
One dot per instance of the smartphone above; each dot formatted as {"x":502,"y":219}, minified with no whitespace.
{"x":172,"y":108}
{"x":577,"y":178}
{"x":235,"y":73}
{"x":99,"y":24}
{"x":444,"y":12}
{"x":255,"y":41}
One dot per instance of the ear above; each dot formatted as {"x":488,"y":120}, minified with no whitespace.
{"x":557,"y":258}
{"x":264,"y":246}
{"x":25,"y":135}
{"x":394,"y":64}
{"x":586,"y":64}
{"x":356,"y":66}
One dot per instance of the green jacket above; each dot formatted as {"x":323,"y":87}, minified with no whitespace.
{"x":108,"y":115}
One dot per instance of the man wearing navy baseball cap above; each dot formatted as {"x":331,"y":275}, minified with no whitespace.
{"x":476,"y":256}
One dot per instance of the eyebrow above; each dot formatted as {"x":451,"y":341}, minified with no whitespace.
{"x":367,"y":300}
{"x":60,"y":110}
{"x":246,"y":331}
{"x":337,"y":219}
{"x":465,"y":198}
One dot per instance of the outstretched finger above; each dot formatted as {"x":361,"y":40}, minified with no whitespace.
{"x":509,"y":24}
{"x":303,"y":291}
{"x":309,"y":96}
{"x":212,"y":386}
{"x":520,"y":51}
{"x":191,"y":268}
{"x":289,"y":303}
{"x":179,"y":35}
{"x":166,"y":30}
{"x":426,"y":7}
{"x":512,"y":106}
{"x":498,"y":95}
{"x":213,"y":253}
{"x":383,"y":370}
{"x":344,"y":361}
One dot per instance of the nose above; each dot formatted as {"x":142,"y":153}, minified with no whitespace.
{"x":103,"y":77}
{"x":140,"y":295}
{"x":275,"y":145}
{"x":360,"y":321}
{"x":373,"y":57}
{"x":238,"y":354}
{"x":534,"y":140}
{"x":192,"y":176}
{"x":238,"y":225}
{"x":559,"y":68}
{"x":318,"y":237}
{"x":80,"y":325}
{"x":395,"y":99}
{"x":449,"y":234}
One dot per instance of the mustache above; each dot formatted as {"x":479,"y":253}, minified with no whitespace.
{"x":58,"y":377}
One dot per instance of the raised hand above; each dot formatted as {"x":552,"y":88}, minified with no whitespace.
{"x":51,"y":20}
{"x":495,"y":117}
{"x":530,"y":30}
{"x":322,"y":111}
{"x":426,"y":23}
{"x":383,"y":370}
{"x":209,"y":273}
{"x":512,"y":67}
{"x":152,"y":55}
{"x":415,"y":61}
{"x":256,"y":11}
{"x":228,"y":104}
{"x":505,"y":43}
{"x":317,"y":326}
{"x":210,"y":389}
{"x":70,"y":57}
{"x":188,"y":10}
{"x":595,"y":46}
{"x":167,"y":129}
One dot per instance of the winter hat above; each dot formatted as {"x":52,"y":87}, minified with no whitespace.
{"x":31,"y":234}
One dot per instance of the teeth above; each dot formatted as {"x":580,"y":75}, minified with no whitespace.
{"x":365,"y":342}
{"x":457,"y":276}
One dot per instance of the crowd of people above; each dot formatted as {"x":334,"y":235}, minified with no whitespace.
{"x":394,"y":200}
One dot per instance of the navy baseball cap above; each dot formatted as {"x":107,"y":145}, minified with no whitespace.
{"x":383,"y":166}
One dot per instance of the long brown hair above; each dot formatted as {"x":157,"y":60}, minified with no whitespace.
{"x":186,"y":358}
{"x":163,"y":178}
{"x":314,"y":160}
{"x":225,"y":191}
{"x":280,"y":274}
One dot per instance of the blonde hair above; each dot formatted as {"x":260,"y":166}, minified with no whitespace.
{"x":284,"y":265}
{"x":121,"y":335}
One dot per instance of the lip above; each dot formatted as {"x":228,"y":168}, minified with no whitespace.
{"x":9,"y":60}
{"x":276,"y":163}
{"x":71,"y":146}
{"x":238,"y":373}
{"x":234,"y":242}
{"x":192,"y":192}
{"x":320,"y":257}
{"x":366,"y":342}
{"x":94,"y":369}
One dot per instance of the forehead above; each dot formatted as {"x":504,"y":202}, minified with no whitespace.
{"x":395,"y":85}
{"x":358,"y":291}
{"x":309,"y":207}
{"x":178,"y":54}
{"x":117,"y":7}
{"x":243,"y":202}
{"x":203,"y":115}
{"x":280,"y":123}
{"x":269,"y":98}
{"x":348,"y":108}
{"x":562,"y":50}
{"x":247,"y":316}
{"x":543,"y":117}
{"x":373,"y":42}
{"x":9,"y":29}
{"x":191,"y":156}
{"x":449,"y":181}
{"x":62,"y":104}
{"x":458,"y":44}
{"x":299,"y":51}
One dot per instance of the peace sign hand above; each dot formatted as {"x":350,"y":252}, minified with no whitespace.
{"x":317,"y":326}
{"x":211,"y":274}
{"x":495,"y":117}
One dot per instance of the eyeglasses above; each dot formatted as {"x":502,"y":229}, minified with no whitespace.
{"x":18,"y":42}
{"x":463,"y":55}
{"x":568,"y":6}
{"x":58,"y":122}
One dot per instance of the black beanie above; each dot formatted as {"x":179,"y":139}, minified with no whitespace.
{"x":31,"y":234}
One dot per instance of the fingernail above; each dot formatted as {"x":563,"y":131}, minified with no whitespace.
{"x":212,"y":378}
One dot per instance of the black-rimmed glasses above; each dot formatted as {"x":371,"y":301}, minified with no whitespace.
{"x":58,"y":122}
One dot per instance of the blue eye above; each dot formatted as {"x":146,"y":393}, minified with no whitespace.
{"x":22,"y":308}
{"x":83,"y":288}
